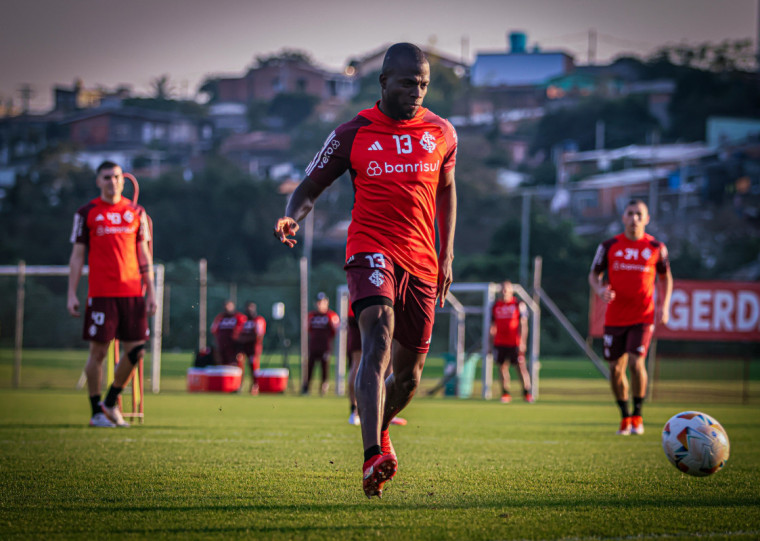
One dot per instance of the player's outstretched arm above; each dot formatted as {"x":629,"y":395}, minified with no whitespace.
{"x":76,"y":264}
{"x":599,"y":287}
{"x":446,"y":212}
{"x":145,"y":260}
{"x":665,"y":292}
{"x":299,"y":205}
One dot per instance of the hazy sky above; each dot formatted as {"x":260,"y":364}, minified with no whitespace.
{"x":108,"y":42}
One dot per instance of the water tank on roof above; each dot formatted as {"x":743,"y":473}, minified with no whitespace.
{"x":517,"y":41}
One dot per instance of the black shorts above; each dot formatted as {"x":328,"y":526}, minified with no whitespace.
{"x":632,"y":339}
{"x":509,"y":353}
{"x":123,"y":318}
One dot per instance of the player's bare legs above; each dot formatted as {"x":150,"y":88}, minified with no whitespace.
{"x":619,"y":383}
{"x":94,"y":367}
{"x":504,"y":374}
{"x":125,"y":368}
{"x":356,"y":357}
{"x":376,"y":325}
{"x":402,"y":384}
{"x":639,"y":379}
{"x":618,"y":378}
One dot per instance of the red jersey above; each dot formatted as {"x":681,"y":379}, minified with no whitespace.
{"x":322,"y":330}
{"x":253,"y":330}
{"x":395,"y":166}
{"x":227,"y":327}
{"x":632,"y":266}
{"x":507,"y":317}
{"x":111,"y":233}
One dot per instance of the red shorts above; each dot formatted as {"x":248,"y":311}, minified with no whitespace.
{"x":353,"y":338}
{"x":372,"y":275}
{"x":633,"y":339}
{"x":124,"y":318}
{"x":509,"y":353}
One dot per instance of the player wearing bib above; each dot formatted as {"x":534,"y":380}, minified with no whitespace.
{"x":632,"y":261}
{"x":400,"y":157}
{"x":509,"y":336}
{"x":113,"y":234}
{"x":251,"y":342}
{"x":322,"y":325}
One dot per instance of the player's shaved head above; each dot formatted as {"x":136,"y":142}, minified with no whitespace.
{"x":400,"y":54}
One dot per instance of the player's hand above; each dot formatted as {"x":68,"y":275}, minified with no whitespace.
{"x":445,"y":277}
{"x":662,"y":316}
{"x":284,"y":228}
{"x":150,"y":305}
{"x":73,"y":306}
{"x":607,"y":294}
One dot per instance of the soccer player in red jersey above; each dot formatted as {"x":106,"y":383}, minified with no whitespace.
{"x":509,"y":335}
{"x":322,"y":326}
{"x":226,"y":329}
{"x":251,"y":341}
{"x":113,"y":234}
{"x":632,"y":261}
{"x":400,"y":157}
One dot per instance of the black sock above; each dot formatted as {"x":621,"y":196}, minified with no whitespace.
{"x":353,"y":408}
{"x":112,"y":396}
{"x":623,"y":405}
{"x":95,"y":404}
{"x":372,"y":451}
{"x":637,"y":403}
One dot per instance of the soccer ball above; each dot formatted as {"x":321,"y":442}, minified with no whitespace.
{"x":695,"y":443}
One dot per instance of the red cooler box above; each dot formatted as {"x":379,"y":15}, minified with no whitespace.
{"x":225,"y":379}
{"x":272,"y":380}
{"x":196,"y":380}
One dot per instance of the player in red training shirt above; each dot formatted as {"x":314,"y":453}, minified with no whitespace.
{"x":400,"y":157}
{"x":631,"y":260}
{"x":251,"y":341}
{"x":322,"y":325}
{"x":509,"y":336}
{"x":226,"y":329}
{"x":112,"y":233}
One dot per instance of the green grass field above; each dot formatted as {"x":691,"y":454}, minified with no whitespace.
{"x":213,"y":466}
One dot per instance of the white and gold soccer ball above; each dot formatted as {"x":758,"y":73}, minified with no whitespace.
{"x":695,"y":443}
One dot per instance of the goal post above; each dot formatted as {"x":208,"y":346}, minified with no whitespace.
{"x":464,"y":299}
{"x":23,"y":271}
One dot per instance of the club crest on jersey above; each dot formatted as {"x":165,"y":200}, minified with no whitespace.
{"x":128,"y":217}
{"x":376,"y":279}
{"x":428,"y":142}
{"x":646,"y":253}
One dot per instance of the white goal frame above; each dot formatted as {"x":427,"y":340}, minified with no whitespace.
{"x":458,"y":311}
{"x":21,"y":271}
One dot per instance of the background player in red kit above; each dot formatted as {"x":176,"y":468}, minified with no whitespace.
{"x":226,"y":329}
{"x":251,"y":341}
{"x":631,"y":260}
{"x":400,"y":157}
{"x":509,"y":336}
{"x":113,"y":234}
{"x":322,"y":326}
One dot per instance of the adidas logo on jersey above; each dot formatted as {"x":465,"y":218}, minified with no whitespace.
{"x":99,"y":218}
{"x":375,"y":146}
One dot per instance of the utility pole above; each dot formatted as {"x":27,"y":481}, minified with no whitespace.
{"x":592,"y":46}
{"x":26,"y":92}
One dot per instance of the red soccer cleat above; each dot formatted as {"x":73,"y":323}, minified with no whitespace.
{"x":378,"y":470}
{"x":506,"y":398}
{"x":625,"y":427}
{"x":637,"y":425}
{"x":398,"y":421}
{"x":385,"y":443}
